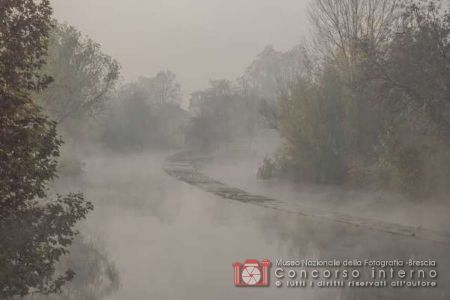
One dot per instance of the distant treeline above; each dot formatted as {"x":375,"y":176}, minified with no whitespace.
{"x":232,"y":113}
{"x":146,"y":114}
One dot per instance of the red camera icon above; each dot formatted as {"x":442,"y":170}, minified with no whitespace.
{"x":251,"y":273}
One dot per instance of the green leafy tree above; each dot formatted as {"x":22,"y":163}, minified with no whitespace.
{"x":35,"y":231}
{"x":313,"y":129}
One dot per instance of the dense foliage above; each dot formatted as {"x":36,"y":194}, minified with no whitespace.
{"x":375,"y":107}
{"x":35,"y":231}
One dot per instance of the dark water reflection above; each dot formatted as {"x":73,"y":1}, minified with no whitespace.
{"x":170,"y":240}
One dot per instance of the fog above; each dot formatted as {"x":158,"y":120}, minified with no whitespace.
{"x":175,"y":138}
{"x":171,"y":240}
{"x":199,"y":40}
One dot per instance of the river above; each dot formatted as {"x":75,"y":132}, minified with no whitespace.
{"x":171,"y":240}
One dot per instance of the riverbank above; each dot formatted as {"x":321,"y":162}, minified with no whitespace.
{"x":182,"y":166}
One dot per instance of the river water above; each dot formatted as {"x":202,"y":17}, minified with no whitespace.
{"x":170,"y":240}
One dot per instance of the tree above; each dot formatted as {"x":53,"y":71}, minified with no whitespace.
{"x":313,"y":128}
{"x":268,"y":76}
{"x":415,"y":66}
{"x":131,"y":123}
{"x":411,"y":78}
{"x":377,"y":107}
{"x":212,"y":121}
{"x":221,"y":114}
{"x":35,"y":231}
{"x":272,"y":71}
{"x":166,"y":88}
{"x":161,"y":89}
{"x":340,"y":24}
{"x":146,"y":114}
{"x":83,"y":75}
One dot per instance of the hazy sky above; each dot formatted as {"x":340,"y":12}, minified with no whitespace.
{"x":197,"y":39}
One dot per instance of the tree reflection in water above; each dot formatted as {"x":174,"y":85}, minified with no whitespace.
{"x":96,"y":276}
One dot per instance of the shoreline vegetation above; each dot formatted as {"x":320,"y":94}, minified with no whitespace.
{"x":181,"y":166}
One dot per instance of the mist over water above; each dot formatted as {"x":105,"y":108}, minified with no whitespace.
{"x":171,"y":240}
{"x":210,"y":132}
{"x":240,"y":170}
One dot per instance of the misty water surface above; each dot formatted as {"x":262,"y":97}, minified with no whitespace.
{"x":170,"y":240}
